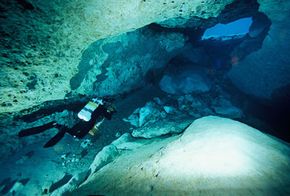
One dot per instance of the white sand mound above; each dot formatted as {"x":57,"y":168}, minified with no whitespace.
{"x":213,"y":156}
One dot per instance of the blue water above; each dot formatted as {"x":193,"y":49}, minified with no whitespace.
{"x":239,"y":27}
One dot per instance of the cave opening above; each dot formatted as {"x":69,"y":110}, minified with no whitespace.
{"x":236,"y":29}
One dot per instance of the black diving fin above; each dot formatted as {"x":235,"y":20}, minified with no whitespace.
{"x":36,"y":130}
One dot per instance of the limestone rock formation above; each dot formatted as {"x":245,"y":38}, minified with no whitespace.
{"x":161,"y":128}
{"x":185,"y":78}
{"x":214,"y":155}
{"x":117,"y":65}
{"x":150,"y":113}
{"x":184,"y":84}
{"x":225,"y":108}
{"x":42,"y":41}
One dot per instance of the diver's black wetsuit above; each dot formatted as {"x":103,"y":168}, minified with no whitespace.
{"x":79,"y":130}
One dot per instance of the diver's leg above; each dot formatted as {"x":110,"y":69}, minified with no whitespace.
{"x":55,"y":138}
{"x":36,"y":130}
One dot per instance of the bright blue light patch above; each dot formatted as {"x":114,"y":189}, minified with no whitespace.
{"x":226,"y":31}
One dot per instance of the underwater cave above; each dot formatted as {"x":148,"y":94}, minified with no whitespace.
{"x":145,"y":97}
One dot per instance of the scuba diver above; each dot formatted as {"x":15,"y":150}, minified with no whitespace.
{"x":87,"y":124}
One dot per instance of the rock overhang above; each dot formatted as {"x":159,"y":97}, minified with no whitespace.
{"x":44,"y":55}
{"x":48,"y":40}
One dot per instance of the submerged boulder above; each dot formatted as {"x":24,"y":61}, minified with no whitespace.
{"x":213,"y":156}
{"x":225,"y":108}
{"x":161,"y":128}
{"x":149,"y":113}
{"x":185,"y":81}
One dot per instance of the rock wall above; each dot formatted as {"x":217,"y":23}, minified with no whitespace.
{"x":42,"y":41}
{"x":268,"y":69}
{"x":118,"y":64}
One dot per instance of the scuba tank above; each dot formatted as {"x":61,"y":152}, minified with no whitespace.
{"x":86,"y":113}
